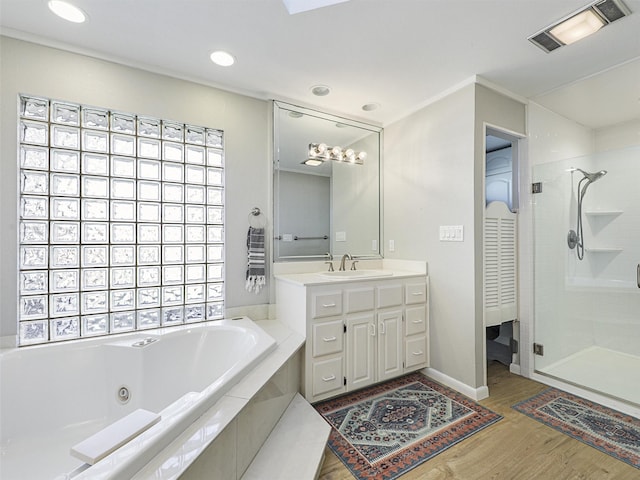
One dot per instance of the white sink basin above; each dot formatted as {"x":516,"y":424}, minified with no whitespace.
{"x":349,"y":274}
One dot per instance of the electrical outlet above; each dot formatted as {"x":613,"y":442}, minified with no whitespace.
{"x":374,"y":245}
{"x":341,"y":236}
{"x":392,"y":245}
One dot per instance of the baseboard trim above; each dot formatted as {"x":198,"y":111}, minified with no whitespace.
{"x":515,"y":369}
{"x":475,"y":393}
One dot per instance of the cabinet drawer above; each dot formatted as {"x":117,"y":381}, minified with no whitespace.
{"x":389,"y":295}
{"x":326,"y":304}
{"x":358,"y":300}
{"x":327,"y":337}
{"x":415,"y":293}
{"x":327,"y":376}
{"x":415,"y":320}
{"x":415,"y":351}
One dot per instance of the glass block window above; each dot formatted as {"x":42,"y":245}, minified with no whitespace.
{"x":121,"y":222}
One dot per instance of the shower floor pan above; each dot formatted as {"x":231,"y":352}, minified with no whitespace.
{"x":613,"y":373}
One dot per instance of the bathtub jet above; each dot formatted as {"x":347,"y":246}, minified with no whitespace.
{"x":575,"y":238}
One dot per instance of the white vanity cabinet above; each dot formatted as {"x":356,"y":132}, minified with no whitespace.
{"x":357,"y":332}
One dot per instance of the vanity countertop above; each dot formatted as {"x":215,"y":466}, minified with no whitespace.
{"x":329,"y":278}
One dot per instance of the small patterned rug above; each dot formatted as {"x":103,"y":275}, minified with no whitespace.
{"x":381,"y":432}
{"x":608,"y":430}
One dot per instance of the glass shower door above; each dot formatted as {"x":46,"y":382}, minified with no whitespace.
{"x":587,"y":310}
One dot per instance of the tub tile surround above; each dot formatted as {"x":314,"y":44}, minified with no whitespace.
{"x":227,"y":437}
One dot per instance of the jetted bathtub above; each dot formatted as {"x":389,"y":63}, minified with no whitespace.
{"x":54,"y":396}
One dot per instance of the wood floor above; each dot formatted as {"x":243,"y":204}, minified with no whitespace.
{"x":514,"y":448}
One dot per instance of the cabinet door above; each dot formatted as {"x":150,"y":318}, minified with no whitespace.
{"x":389,"y":344}
{"x":361,"y":334}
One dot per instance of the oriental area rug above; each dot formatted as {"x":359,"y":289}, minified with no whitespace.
{"x":381,"y":432}
{"x":608,"y":430}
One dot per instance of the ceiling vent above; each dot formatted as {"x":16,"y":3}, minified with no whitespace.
{"x":579,"y":24}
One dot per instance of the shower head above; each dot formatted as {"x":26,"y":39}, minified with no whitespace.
{"x":592,"y":177}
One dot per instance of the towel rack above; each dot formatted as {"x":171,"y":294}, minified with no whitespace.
{"x":256,"y":218}
{"x":323,"y":237}
{"x":296,"y":237}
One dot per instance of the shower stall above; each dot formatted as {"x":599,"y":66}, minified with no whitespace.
{"x":587,"y":272}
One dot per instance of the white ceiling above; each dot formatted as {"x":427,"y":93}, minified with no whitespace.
{"x":401,"y":54}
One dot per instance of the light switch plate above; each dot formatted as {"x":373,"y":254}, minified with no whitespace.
{"x":451,"y":233}
{"x":341,"y":236}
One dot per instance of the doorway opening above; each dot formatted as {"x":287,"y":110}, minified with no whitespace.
{"x":500,"y":248}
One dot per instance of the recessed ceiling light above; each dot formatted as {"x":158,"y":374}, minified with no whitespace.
{"x":320,"y":90}
{"x":369,"y":107}
{"x":222,"y":58}
{"x":67,"y":11}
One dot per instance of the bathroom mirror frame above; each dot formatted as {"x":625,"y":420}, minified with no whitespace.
{"x":350,"y":217}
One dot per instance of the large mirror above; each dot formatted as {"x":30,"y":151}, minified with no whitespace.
{"x":327,"y":199}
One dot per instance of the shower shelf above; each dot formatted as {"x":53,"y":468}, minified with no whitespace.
{"x":604,"y":250}
{"x":602,"y":213}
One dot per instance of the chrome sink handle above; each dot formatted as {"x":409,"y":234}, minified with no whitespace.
{"x":353,"y":265}
{"x":330,"y":261}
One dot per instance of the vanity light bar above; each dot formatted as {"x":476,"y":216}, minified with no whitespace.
{"x":320,"y":152}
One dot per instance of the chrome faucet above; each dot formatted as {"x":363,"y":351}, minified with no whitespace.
{"x":344,"y":257}
{"x":330,"y":261}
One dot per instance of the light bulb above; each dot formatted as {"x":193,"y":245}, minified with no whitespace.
{"x":350,"y":155}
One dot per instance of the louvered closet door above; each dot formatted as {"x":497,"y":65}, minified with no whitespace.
{"x":500,"y":281}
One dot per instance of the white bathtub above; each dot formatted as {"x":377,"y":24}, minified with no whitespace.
{"x":54,"y":396}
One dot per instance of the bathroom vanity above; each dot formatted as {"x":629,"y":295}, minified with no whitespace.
{"x":360,"y":328}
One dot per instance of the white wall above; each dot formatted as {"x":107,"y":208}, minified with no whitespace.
{"x":622,"y":135}
{"x":428,"y":182}
{"x":37,"y":70}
